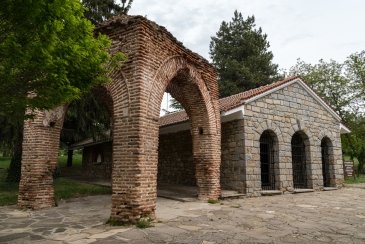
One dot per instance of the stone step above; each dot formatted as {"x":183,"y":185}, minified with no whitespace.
{"x":302,"y":191}
{"x":330,"y":188}
{"x":228,"y":194}
{"x":271,"y":192}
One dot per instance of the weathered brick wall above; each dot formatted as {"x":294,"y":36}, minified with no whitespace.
{"x":285,"y":112}
{"x":233,"y":173}
{"x":94,"y":169}
{"x":175,"y":159}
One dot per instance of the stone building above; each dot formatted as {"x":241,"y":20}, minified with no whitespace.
{"x":97,"y":157}
{"x":281,"y":137}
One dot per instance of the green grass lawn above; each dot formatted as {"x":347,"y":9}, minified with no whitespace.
{"x":4,"y":162}
{"x":352,"y":180}
{"x":76,"y":159}
{"x":64,"y":188}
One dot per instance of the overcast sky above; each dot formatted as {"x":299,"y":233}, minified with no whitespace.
{"x":306,"y":29}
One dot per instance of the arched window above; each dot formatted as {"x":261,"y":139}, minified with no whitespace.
{"x":300,"y":150}
{"x":268,"y":159}
{"x":326,"y":148}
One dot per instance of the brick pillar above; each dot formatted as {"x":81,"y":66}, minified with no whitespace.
{"x":207,"y":163}
{"x":39,"y":159}
{"x":134,"y":171}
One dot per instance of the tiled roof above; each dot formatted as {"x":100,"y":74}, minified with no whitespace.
{"x":225,"y":103}
{"x":173,"y":118}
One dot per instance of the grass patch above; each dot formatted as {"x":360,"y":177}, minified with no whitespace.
{"x":143,"y":223}
{"x":64,"y":188}
{"x":4,"y":162}
{"x":213,"y":201}
{"x":358,"y":179}
{"x":8,"y":190}
{"x":67,"y":188}
{"x":76,"y":159}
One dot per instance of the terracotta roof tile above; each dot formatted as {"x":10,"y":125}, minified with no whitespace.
{"x":233,"y":101}
{"x":225,"y":103}
{"x":173,"y":118}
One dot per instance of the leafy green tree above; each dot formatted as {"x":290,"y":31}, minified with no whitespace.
{"x":88,"y":117}
{"x":329,"y":80}
{"x":355,"y":70}
{"x":240,"y":53}
{"x":49,"y":56}
{"x":353,"y":144}
{"x":101,"y":10}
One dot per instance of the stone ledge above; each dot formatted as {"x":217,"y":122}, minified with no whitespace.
{"x":271,"y":193}
{"x":302,"y":191}
{"x":330,"y":188}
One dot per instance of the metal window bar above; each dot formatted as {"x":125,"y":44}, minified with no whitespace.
{"x":267,"y":163}
{"x":299,"y":162}
{"x":325,"y":164}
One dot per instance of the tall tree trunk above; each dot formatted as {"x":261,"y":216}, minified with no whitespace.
{"x":69,"y":157}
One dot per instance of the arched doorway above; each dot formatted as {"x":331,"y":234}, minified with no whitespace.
{"x":268,"y":160}
{"x":300,"y":153}
{"x":326,"y":152}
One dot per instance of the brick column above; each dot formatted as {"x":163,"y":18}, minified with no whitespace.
{"x":39,"y":159}
{"x":206,"y":154}
{"x":134,"y":175}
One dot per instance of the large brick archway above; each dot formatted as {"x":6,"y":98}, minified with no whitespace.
{"x":157,"y":62}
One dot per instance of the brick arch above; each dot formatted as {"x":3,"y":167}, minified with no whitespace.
{"x":185,"y":83}
{"x":40,"y":153}
{"x":155,"y":59}
{"x":119,"y":91}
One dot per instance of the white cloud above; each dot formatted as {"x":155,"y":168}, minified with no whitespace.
{"x":307,"y":29}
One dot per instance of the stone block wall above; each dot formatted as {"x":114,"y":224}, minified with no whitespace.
{"x":175,"y":159}
{"x":233,"y":173}
{"x":176,"y":165}
{"x":94,"y":169}
{"x":285,"y":112}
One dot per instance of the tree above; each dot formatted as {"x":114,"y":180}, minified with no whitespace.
{"x":354,"y":143}
{"x":49,"y":54}
{"x":85,"y":118}
{"x":101,"y":10}
{"x":355,"y":70}
{"x":240,"y":53}
{"x":329,"y":80}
